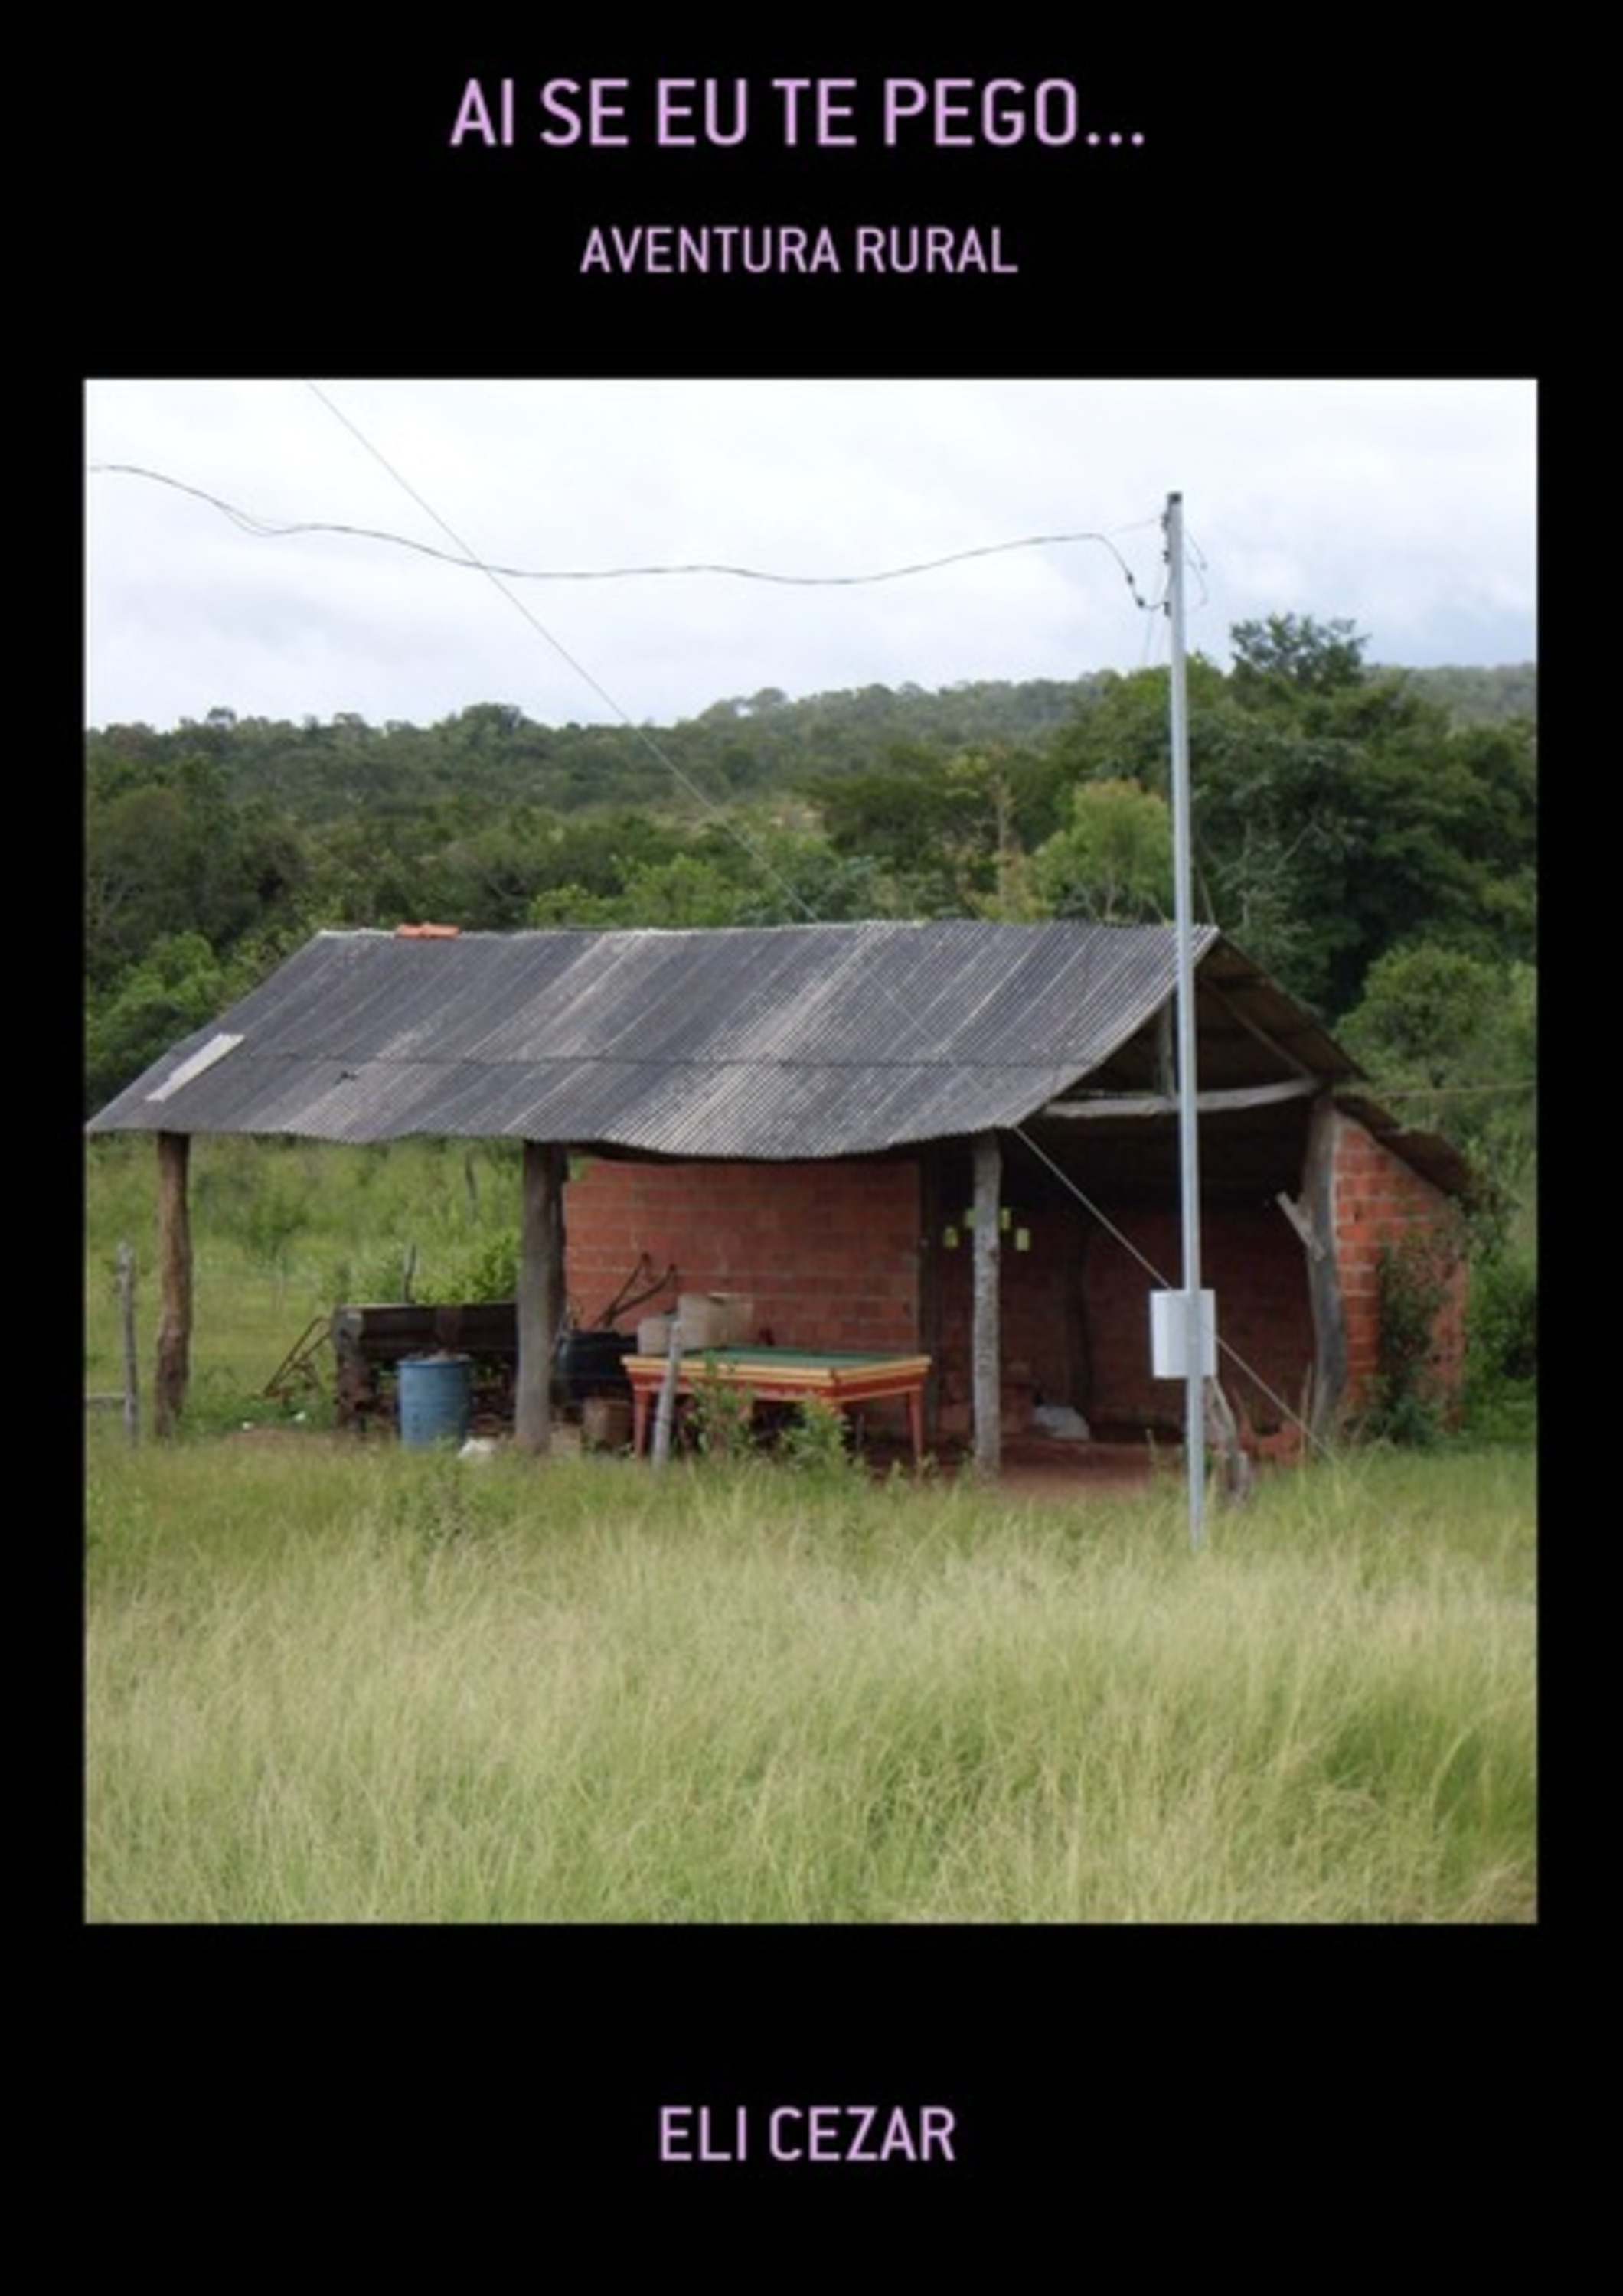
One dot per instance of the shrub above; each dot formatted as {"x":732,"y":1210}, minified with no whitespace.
{"x":721,"y":1415}
{"x":816,"y":1441}
{"x":1412,"y":1280}
{"x":1501,"y":1348}
{"x":485,"y":1269}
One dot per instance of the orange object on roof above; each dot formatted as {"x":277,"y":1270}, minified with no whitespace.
{"x":426,"y":933}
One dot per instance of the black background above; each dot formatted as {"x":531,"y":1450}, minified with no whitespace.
{"x":281,"y":202}
{"x":1335,"y":206}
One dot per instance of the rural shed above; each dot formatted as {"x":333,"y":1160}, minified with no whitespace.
{"x":954,"y":1137}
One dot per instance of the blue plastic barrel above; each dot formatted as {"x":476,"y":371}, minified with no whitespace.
{"x":436,"y":1398}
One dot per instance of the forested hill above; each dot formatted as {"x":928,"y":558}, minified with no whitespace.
{"x":743,"y":748}
{"x":493,"y":752}
{"x":1367,"y":836}
{"x":1474,"y":696}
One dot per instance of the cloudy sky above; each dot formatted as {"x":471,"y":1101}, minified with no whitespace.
{"x":1407,"y":507}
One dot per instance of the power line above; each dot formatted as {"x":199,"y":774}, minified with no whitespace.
{"x":463,"y":558}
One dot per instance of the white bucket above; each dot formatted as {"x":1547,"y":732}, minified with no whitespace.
{"x":715,"y":1319}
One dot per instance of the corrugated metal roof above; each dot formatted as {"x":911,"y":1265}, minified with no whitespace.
{"x":784,"y":1042}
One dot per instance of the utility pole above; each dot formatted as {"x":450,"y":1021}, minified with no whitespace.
{"x":1189,"y":1151}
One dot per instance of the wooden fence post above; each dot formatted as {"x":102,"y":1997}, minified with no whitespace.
{"x":174,"y":1364}
{"x":127,"y":1317}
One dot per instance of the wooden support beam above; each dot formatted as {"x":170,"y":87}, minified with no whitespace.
{"x":1231,"y":1100}
{"x":986,"y":1346}
{"x":174,"y":1364}
{"x":931,"y":1221}
{"x":540,"y":1291}
{"x":1315,"y":1219}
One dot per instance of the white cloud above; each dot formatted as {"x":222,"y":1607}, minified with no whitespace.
{"x":1406,"y":507}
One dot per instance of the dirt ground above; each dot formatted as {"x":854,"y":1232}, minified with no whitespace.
{"x":1033,"y":1466}
{"x":1036,"y":1468}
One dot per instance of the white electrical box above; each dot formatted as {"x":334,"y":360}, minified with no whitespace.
{"x":1168,"y":1323}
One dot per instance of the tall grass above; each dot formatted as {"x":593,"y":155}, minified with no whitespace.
{"x":337,"y":1682}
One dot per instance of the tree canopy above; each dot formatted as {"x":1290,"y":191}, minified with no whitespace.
{"x":1342,"y":817}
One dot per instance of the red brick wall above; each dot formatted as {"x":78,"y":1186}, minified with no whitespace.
{"x":1075,"y":1314}
{"x":1378,"y":1201}
{"x":1252,"y":1259}
{"x":1039,"y":1315}
{"x":1256,"y":1266}
{"x":828,"y":1252}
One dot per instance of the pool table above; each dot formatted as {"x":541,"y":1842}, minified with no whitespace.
{"x":785,"y":1375}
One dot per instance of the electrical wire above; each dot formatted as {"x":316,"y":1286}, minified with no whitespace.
{"x":463,"y":558}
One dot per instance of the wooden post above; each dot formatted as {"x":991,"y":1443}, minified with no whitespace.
{"x":986,"y":1346}
{"x":1223,"y":1441}
{"x":932,"y":1219}
{"x":1318,"y":1209}
{"x":175,"y":1282}
{"x":540,"y":1291}
{"x":127,"y":1319}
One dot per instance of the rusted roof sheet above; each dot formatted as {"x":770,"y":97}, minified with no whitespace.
{"x":777,"y":1043}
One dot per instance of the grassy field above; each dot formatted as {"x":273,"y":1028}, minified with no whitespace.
{"x":329,"y":1680}
{"x":355,"y":1684}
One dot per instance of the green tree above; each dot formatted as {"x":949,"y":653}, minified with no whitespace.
{"x":1292,"y":654}
{"x":948,"y":830}
{"x":1113,"y":860}
{"x":689,"y":890}
{"x":178,"y":986}
{"x":168,"y":851}
{"x":1450,"y":1039}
